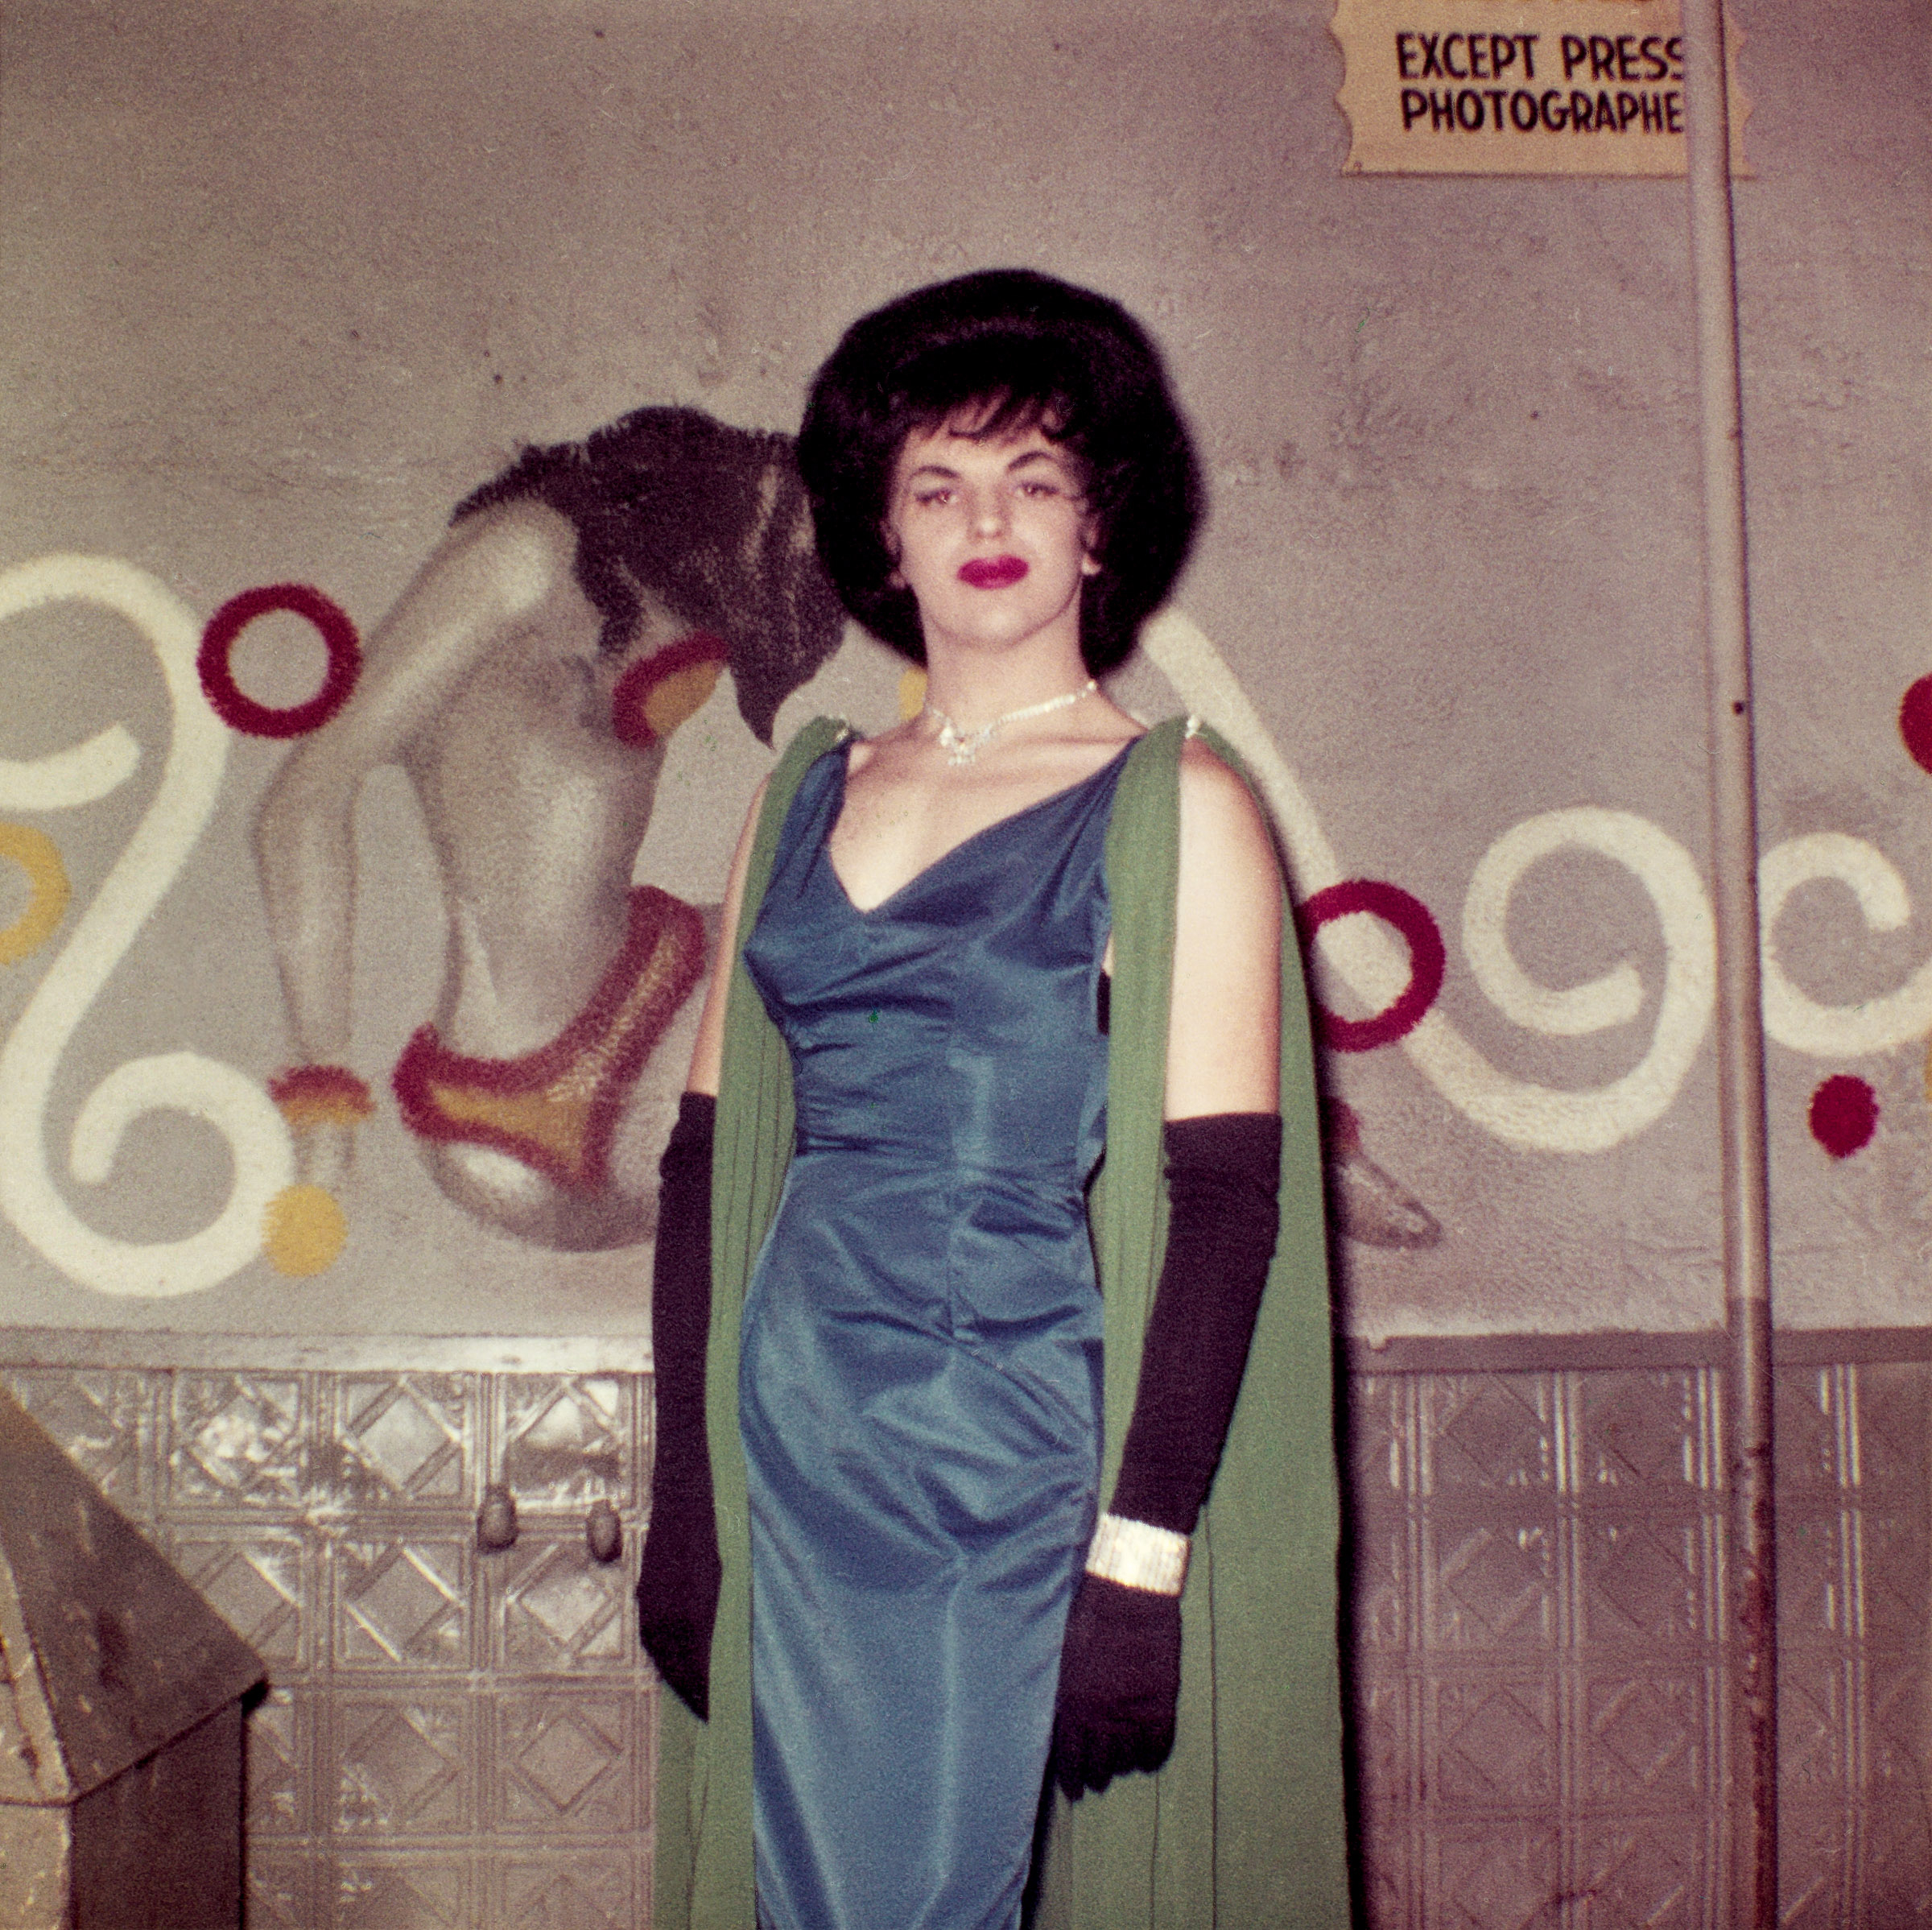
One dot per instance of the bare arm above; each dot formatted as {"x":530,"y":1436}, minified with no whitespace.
{"x":1121,"y":1669}
{"x":1224,"y":1031}
{"x":492,"y":576}
{"x":707,"y":1056}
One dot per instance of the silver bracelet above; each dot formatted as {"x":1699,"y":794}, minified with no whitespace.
{"x":1138,"y":1555}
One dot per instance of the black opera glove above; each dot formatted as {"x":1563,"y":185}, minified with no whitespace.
{"x":1121,"y":1668}
{"x":1120,"y":1681}
{"x":679,"y":1573}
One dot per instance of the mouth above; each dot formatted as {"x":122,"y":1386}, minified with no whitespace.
{"x":993,"y":572}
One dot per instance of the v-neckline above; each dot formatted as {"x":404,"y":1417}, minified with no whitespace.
{"x":951,"y":851}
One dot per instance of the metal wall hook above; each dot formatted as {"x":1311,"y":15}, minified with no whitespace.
{"x":497,"y":1519}
{"x":603,"y":1532}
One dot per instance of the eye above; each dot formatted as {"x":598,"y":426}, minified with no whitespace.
{"x":932,"y":497}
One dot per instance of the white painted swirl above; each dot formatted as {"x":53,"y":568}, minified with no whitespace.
{"x":258,"y":1138}
{"x":1834,"y":1031}
{"x":1376,"y":968}
{"x":64,"y":779}
{"x":1591,"y":1120}
{"x":1614,"y":999}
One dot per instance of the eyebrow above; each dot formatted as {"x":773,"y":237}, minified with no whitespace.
{"x":1050,"y":456}
{"x":1019,"y":462}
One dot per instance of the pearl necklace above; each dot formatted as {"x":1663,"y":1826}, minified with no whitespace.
{"x":962,"y":746}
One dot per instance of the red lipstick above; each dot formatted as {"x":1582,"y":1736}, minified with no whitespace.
{"x":993,"y":572}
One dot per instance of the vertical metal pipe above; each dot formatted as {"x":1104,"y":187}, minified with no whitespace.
{"x":1753,"y":1634}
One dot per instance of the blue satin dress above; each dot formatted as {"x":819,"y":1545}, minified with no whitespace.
{"x":920,"y":1380}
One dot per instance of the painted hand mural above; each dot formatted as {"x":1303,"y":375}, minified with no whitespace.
{"x":528,"y":681}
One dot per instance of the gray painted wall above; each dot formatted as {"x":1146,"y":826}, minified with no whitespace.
{"x":284,"y":282}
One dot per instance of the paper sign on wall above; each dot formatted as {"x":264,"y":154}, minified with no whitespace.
{"x":1519,"y":87}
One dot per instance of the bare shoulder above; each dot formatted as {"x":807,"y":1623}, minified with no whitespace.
{"x":886,"y":749}
{"x":1223,"y":1022}
{"x":1219,"y":815}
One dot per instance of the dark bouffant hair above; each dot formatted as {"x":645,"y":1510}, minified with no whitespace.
{"x":1037,"y":352}
{"x":712,"y":520}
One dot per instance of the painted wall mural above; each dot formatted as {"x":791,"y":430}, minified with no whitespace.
{"x":358,"y":860}
{"x":528,"y":681}
{"x":1844,"y":1111}
{"x":581,"y":608}
{"x":184,"y":1081}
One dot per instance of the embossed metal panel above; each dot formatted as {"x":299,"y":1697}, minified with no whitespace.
{"x":452,"y":1737}
{"x":456,"y":1738}
{"x":1540,"y":1659}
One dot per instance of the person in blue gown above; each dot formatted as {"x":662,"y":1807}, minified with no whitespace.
{"x":944,"y":1609}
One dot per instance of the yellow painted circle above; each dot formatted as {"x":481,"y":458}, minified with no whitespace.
{"x":304,"y":1231}
{"x":912,"y":692}
{"x":39,"y":857}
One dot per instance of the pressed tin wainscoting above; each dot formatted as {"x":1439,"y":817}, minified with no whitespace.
{"x":1540,"y":1633}
{"x":453,"y":1738}
{"x":462,"y":1738}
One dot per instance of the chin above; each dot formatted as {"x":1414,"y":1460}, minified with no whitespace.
{"x":1008,"y":628}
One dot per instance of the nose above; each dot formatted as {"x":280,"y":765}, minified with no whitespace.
{"x":989,"y":512}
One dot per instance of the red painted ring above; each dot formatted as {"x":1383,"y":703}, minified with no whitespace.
{"x":1428,"y":959}
{"x":1915,"y":722}
{"x":241,"y":713}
